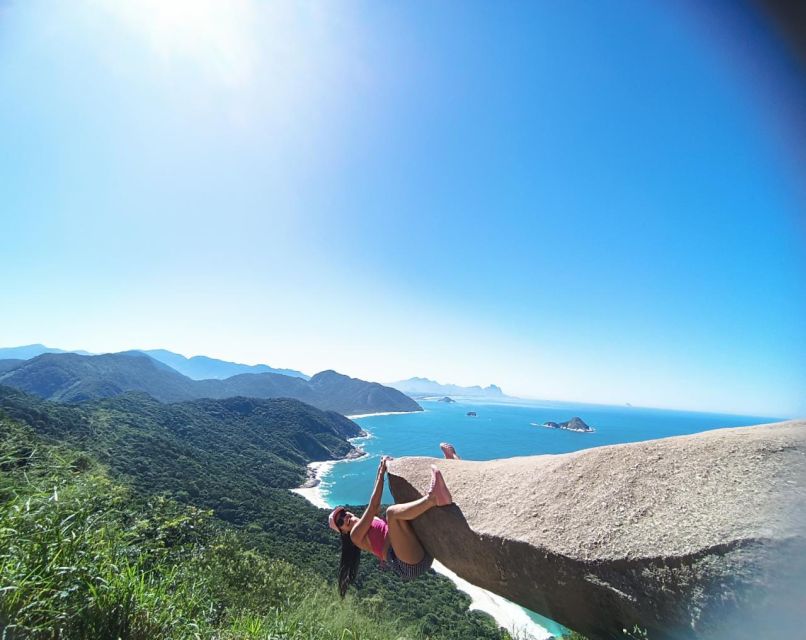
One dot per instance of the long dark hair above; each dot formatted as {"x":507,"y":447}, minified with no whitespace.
{"x":348,"y":567}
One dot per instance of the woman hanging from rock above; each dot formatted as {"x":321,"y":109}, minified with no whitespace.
{"x":393,"y":540}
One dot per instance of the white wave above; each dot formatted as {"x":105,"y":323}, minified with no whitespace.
{"x":312,"y":495}
{"x":507,"y":614}
{"x":380,"y":413}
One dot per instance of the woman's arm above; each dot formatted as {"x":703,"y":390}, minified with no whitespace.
{"x":365,"y":521}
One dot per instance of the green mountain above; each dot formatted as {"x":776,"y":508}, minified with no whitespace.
{"x":237,"y":448}
{"x":73,"y":378}
{"x":195,"y":368}
{"x":360,"y":396}
{"x":133,"y":555}
{"x":85,"y":556}
{"x":69,"y":377}
{"x":204,"y":367}
{"x":9,"y":363}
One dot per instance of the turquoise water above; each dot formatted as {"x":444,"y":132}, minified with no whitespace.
{"x":502,"y":430}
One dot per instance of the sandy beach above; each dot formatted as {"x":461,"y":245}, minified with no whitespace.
{"x":310,"y":490}
{"x":506,"y":614}
{"x":381,"y":413}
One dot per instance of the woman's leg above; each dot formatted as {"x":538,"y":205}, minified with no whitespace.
{"x":399,"y":516}
{"x":401,"y":534}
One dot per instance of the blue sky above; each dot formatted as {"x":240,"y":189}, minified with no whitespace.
{"x":575,"y":202}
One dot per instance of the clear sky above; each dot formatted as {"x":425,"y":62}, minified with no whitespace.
{"x":580,"y":201}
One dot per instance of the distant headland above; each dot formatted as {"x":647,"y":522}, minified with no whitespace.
{"x":423,"y":387}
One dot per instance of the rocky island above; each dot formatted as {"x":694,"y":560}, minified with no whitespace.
{"x":447,"y":400}
{"x":574,"y":424}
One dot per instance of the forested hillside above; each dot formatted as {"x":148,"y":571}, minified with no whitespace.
{"x":73,"y":378}
{"x":192,"y":500}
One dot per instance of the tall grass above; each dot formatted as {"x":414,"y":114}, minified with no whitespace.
{"x":69,"y":565}
{"x":79,"y":559}
{"x":266,"y":598}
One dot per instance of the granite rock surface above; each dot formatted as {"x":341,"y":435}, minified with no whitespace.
{"x":691,"y":536}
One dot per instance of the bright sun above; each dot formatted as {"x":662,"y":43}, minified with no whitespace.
{"x":215,"y":34}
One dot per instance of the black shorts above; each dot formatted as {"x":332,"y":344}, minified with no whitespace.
{"x":408,"y":571}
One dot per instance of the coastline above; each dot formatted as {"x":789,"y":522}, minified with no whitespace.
{"x":380,"y":413}
{"x":505,"y":613}
{"x":311,"y":490}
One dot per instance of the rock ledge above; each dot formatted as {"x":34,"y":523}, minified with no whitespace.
{"x":683,"y":536}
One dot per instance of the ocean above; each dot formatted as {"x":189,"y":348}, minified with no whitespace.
{"x":502,"y":430}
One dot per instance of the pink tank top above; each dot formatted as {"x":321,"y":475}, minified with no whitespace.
{"x":377,"y":533}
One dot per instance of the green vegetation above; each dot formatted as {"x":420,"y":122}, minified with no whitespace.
{"x":74,"y":378}
{"x":131,"y":518}
{"x":637,"y":633}
{"x":79,"y":561}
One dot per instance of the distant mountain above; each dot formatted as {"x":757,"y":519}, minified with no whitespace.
{"x":204,"y":368}
{"x":31,"y":351}
{"x":357,"y":396}
{"x":196,"y":368}
{"x":420,"y":387}
{"x":72,"y":378}
{"x":69,"y":377}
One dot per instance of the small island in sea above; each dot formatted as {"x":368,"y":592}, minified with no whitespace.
{"x":447,"y":400}
{"x":574,"y":424}
{"x":472,"y":414}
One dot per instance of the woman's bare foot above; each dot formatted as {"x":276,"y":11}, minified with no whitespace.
{"x":439,"y":490}
{"x":448,"y":451}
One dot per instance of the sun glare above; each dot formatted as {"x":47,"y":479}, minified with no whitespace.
{"x":212,"y":34}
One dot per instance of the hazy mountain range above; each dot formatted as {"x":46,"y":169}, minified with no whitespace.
{"x":204,"y":368}
{"x":77,"y":379}
{"x":72,"y":378}
{"x":421,"y":387}
{"x":196,"y":368}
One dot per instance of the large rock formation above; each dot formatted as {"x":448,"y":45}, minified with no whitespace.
{"x":692,"y":536}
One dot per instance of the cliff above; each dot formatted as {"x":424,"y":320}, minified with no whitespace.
{"x":692,"y":536}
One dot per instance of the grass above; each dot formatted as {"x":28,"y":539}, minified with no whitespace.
{"x":80,"y":559}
